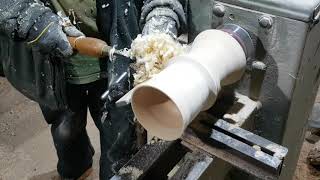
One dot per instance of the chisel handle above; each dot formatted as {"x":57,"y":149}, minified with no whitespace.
{"x":90,"y":46}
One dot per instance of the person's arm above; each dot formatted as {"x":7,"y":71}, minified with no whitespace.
{"x":163,"y":16}
{"x":32,"y":21}
{"x":157,"y":16}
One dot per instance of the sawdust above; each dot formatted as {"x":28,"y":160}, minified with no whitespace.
{"x":303,"y":170}
{"x":130,"y":171}
{"x":256,"y":147}
{"x":314,"y":155}
{"x":152,"y":53}
{"x":155,"y":140}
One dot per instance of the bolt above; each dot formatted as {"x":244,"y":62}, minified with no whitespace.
{"x":232,"y":17}
{"x":265,"y":21}
{"x":219,"y":10}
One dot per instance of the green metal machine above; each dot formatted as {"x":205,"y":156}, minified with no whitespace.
{"x":287,"y":33}
{"x":272,"y":101}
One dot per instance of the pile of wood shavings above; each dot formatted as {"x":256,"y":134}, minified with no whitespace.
{"x":152,"y":53}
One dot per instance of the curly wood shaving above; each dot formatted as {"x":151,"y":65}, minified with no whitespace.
{"x":152,"y":53}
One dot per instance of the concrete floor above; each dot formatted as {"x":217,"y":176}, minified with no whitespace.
{"x":26,"y":148}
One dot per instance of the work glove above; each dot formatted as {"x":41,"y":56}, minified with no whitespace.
{"x":49,"y":35}
{"x":160,"y":24}
{"x":163,"y":16}
{"x":32,"y":21}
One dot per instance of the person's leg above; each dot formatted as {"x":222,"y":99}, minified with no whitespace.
{"x":3,"y":52}
{"x":1,"y":68}
{"x":117,"y":132}
{"x":69,"y":134}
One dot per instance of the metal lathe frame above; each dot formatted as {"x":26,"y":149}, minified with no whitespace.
{"x":287,"y":36}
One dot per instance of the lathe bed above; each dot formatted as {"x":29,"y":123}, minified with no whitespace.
{"x":206,"y":141}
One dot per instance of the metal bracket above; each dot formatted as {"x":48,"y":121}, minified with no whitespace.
{"x":241,"y":148}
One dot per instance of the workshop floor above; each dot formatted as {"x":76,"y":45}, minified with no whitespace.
{"x":303,"y":171}
{"x":26,"y":149}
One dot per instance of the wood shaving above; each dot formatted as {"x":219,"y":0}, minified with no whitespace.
{"x":152,"y":53}
{"x":132,"y":172}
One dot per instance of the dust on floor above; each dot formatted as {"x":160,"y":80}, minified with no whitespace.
{"x":303,"y":170}
{"x":26,"y":146}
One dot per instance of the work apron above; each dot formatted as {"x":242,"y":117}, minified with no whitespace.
{"x":38,"y":77}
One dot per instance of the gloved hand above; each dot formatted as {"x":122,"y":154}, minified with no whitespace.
{"x":160,"y":24}
{"x":49,"y":35}
{"x":163,"y":16}
{"x":31,"y":20}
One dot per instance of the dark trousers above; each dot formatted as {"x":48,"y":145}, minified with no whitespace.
{"x":74,"y":150}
